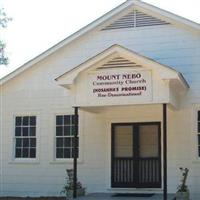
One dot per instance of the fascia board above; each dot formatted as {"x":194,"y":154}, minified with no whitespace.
{"x":165,"y":72}
{"x":66,"y":41}
{"x":171,"y":17}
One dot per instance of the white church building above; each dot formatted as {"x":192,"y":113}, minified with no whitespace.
{"x":127,"y":88}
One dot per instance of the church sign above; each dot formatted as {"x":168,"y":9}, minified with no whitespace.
{"x":122,"y":84}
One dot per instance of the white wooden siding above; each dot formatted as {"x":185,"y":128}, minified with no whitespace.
{"x":36,"y":91}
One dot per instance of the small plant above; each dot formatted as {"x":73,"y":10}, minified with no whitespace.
{"x":69,"y":186}
{"x":183,"y":191}
{"x":183,"y":187}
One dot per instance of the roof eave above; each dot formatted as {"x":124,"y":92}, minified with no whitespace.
{"x":66,"y":41}
{"x":171,"y":16}
{"x":73,"y":73}
{"x":93,"y":25}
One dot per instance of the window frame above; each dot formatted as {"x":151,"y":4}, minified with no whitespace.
{"x":194,"y":133}
{"x":70,"y":136}
{"x":198,"y":132}
{"x":25,"y":160}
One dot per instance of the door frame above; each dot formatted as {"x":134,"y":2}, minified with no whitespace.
{"x":137,"y":124}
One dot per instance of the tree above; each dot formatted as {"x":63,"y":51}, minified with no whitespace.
{"x":3,"y":24}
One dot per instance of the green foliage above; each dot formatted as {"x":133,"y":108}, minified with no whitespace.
{"x":69,"y":183}
{"x":3,"y":24}
{"x":3,"y":58}
{"x":183,"y":187}
{"x":3,"y":18}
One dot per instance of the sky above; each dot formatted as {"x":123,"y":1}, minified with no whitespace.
{"x":39,"y":24}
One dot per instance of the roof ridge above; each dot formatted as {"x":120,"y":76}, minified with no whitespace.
{"x":173,"y":17}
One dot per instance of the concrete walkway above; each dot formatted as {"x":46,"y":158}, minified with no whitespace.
{"x":105,"y":196}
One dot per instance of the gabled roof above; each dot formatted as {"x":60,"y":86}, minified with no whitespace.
{"x":139,"y":4}
{"x":166,"y":73}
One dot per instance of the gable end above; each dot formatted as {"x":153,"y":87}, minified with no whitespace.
{"x":135,"y":18}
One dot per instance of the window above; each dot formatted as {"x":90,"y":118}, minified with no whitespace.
{"x":198,"y":131}
{"x":64,"y":136}
{"x":25,"y":137}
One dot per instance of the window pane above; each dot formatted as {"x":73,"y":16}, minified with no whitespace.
{"x":59,"y":152}
{"x":73,"y":142}
{"x":59,"y":131}
{"x":18,"y":131}
{"x":32,"y":120}
{"x":25,"y":131}
{"x":73,"y":130}
{"x":32,"y":153}
{"x":199,"y":145}
{"x":59,"y":120}
{"x":18,"y":142}
{"x":18,"y":152}
{"x":198,"y":122}
{"x":67,"y":142}
{"x":73,"y":119}
{"x":67,"y":153}
{"x":25,"y":128}
{"x":18,"y":121}
{"x":25,"y":153}
{"x":59,"y":142}
{"x":199,"y":150}
{"x":25,"y":142}
{"x":198,"y":127}
{"x":67,"y":130}
{"x":67,"y":119}
{"x":148,"y":141}
{"x":64,"y":127}
{"x":25,"y":121}
{"x":123,"y":143}
{"x":32,"y":131}
{"x":33,"y":142}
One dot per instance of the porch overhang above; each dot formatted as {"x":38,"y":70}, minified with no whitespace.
{"x":171,"y":81}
